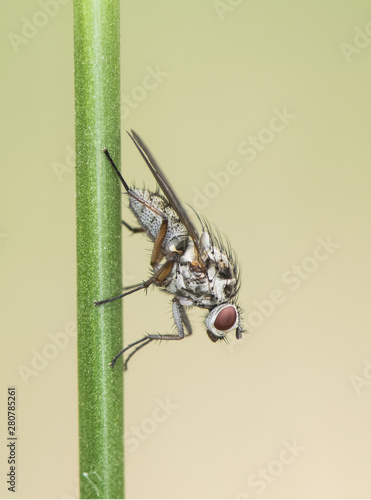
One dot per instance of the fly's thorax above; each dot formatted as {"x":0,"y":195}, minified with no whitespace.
{"x":217,"y":283}
{"x":188,"y":281}
{"x":222,"y":275}
{"x":148,"y":216}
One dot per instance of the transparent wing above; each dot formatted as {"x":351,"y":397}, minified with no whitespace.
{"x":167,"y":190}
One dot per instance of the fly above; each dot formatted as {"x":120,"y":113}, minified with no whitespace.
{"x":198,"y":270}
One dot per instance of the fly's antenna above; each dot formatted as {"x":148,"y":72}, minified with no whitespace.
{"x":123,"y":182}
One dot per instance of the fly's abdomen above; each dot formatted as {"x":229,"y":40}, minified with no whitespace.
{"x":151,"y":221}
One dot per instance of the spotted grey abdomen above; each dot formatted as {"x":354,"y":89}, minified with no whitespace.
{"x":151,"y":222}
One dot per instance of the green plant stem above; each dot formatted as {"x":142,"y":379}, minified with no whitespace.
{"x":99,"y":276}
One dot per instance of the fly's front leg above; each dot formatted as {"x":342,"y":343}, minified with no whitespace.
{"x":181,"y":318}
{"x":181,"y":321}
{"x":142,"y":342}
{"x":135,"y":351}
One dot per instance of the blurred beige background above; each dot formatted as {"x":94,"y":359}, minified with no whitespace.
{"x":277,"y":93}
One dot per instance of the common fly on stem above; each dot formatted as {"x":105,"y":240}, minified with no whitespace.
{"x":198,"y":270}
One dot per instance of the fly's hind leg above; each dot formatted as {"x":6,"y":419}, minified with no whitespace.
{"x":157,"y":245}
{"x":123,"y":182}
{"x":156,"y":251}
{"x":131,"y":228}
{"x":181,"y":318}
{"x":156,"y":257}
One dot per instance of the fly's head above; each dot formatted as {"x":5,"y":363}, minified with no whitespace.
{"x":224,"y":283}
{"x":223,"y":319}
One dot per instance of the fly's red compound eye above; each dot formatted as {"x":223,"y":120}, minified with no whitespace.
{"x":226,"y":318}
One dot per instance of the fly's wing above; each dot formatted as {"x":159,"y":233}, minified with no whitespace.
{"x":167,"y":190}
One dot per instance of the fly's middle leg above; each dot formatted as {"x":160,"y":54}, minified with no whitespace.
{"x":158,"y":276}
